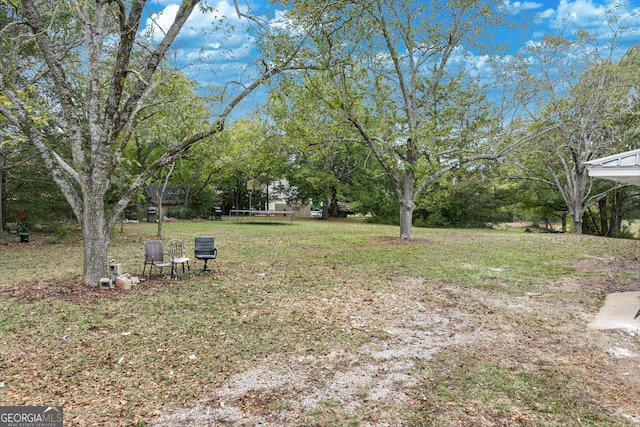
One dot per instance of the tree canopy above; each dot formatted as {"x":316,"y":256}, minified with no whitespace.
{"x":83,"y":73}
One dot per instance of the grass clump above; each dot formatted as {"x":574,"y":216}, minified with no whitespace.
{"x":464,"y":385}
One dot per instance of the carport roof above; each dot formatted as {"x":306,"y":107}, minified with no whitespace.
{"x":622,"y":167}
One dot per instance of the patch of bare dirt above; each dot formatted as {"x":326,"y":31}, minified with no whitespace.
{"x":377,"y":375}
{"x":71,"y":290}
{"x":375,"y":384}
{"x":608,"y":269}
{"x":388,"y":240}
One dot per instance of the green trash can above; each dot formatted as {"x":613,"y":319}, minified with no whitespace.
{"x":24,"y":237}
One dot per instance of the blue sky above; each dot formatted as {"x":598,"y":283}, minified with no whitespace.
{"x":215,"y":57}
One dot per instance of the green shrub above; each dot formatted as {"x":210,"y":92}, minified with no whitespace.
{"x":181,"y":212}
{"x":625,"y":233}
{"x":387,"y":219}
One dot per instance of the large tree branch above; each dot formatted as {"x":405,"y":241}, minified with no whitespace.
{"x":372,"y":143}
{"x":94,"y":39}
{"x":529,"y":178}
{"x":21,"y":161}
{"x":113,"y":119}
{"x":61,"y":87}
{"x":566,"y":196}
{"x":591,"y":200}
{"x":145,"y":76}
{"x":395,"y":58}
{"x":59,"y":169}
{"x":456,"y":163}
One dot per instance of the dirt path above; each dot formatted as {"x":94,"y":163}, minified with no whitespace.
{"x":376,"y":383}
{"x":283,"y":392}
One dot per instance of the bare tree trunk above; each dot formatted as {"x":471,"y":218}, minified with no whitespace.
{"x":615,"y":227}
{"x":1,"y":191}
{"x":236,"y":194}
{"x":406,"y":219}
{"x":96,"y":241}
{"x":334,"y":202}
{"x":576,"y":225}
{"x":160,"y":195}
{"x":405,"y":188}
{"x":407,"y":206}
{"x":159,"y":208}
{"x":573,"y":191}
{"x":326,"y":205}
{"x":604,"y":223}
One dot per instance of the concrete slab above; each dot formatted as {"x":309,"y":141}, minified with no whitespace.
{"x":618,"y":311}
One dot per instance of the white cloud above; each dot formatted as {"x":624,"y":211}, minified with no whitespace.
{"x":589,"y":14}
{"x":476,"y":65}
{"x":160,"y":22}
{"x":546,"y":14}
{"x":281,"y":21}
{"x":480,"y":66}
{"x":530,"y":5}
{"x":212,"y":46}
{"x":581,"y":13}
{"x":516,"y":7}
{"x":593,"y":16}
{"x":223,"y":18}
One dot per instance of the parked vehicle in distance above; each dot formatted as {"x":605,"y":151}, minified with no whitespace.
{"x":316,"y":214}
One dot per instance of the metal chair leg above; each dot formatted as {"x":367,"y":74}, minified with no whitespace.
{"x":206,"y":269}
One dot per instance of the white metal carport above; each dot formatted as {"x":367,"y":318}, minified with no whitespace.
{"x":623,"y":167}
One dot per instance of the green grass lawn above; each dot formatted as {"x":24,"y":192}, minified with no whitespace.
{"x":292,"y":291}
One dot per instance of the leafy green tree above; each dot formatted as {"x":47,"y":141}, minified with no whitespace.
{"x":606,"y":217}
{"x":628,"y":117}
{"x":372,"y":194}
{"x":390,"y":76}
{"x":27,"y":193}
{"x":175,"y":110}
{"x":250,"y":150}
{"x":599,"y":91}
{"x":88,"y":73}
{"x":539,"y":201}
{"x":464,"y":198}
{"x":322,"y":162}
